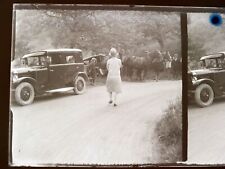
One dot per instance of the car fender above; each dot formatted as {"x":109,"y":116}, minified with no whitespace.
{"x":200,"y":81}
{"x":82,"y":74}
{"x":24,"y":79}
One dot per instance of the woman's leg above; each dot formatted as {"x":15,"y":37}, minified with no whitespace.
{"x":115,"y":99}
{"x":110,"y":97}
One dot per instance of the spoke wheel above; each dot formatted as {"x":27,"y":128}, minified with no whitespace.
{"x":24,"y":93}
{"x":204,"y":95}
{"x":79,"y":85}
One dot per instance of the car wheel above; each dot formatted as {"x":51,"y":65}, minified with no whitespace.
{"x":24,"y":93}
{"x":79,"y":85}
{"x":204,"y":95}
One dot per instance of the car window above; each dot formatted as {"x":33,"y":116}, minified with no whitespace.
{"x":221,"y":62}
{"x":64,"y":59}
{"x":23,"y":62}
{"x":49,"y":59}
{"x":78,"y":58}
{"x":210,"y":63}
{"x":43,"y":61}
{"x":54,"y":59}
{"x":70,"y":59}
{"x":33,"y":61}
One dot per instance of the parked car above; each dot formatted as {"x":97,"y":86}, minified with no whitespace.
{"x":208,"y":83}
{"x":48,"y":71}
{"x":100,"y":65}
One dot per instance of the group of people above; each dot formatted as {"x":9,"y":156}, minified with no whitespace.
{"x":114,"y":65}
{"x":176,"y":66}
{"x":173,"y":64}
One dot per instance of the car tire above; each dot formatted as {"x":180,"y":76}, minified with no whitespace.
{"x":24,"y":94}
{"x":79,"y":85}
{"x":204,"y":95}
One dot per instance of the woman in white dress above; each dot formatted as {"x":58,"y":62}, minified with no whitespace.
{"x":113,"y":82}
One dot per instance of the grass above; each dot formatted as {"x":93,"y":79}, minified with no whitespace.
{"x":168,"y":134}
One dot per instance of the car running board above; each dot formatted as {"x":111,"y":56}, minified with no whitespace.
{"x":60,"y":90}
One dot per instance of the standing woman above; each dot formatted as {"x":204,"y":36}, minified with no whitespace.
{"x":113,"y":82}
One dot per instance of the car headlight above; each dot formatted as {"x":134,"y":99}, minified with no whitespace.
{"x":14,"y":77}
{"x":194,"y":78}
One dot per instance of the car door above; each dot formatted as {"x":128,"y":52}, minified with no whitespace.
{"x":42,"y":74}
{"x":74,"y":65}
{"x":219,"y":76}
{"x":56,"y":72}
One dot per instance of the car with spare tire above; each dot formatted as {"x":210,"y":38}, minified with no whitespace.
{"x":48,"y":71}
{"x":207,"y":83}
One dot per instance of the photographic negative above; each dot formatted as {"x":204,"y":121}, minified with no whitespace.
{"x":206,"y":88}
{"x":95,"y":86}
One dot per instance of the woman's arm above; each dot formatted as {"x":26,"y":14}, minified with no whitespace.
{"x":121,"y":65}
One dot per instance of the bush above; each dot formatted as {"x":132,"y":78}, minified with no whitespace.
{"x":168,"y":135}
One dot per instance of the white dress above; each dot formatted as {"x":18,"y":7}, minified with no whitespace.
{"x":113,"y":81}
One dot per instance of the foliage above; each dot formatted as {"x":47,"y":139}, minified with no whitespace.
{"x":96,"y":31}
{"x":168,"y":134}
{"x":203,"y":37}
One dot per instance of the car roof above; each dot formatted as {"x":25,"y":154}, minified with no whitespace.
{"x":94,"y":56}
{"x":52,"y":51}
{"x":213,"y":56}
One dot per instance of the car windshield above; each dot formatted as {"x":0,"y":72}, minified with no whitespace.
{"x":35,"y":61}
{"x":213,"y":63}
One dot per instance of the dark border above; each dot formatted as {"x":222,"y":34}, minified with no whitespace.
{"x":6,"y":18}
{"x":184,"y":51}
{"x":6,"y":9}
{"x":43,"y":6}
{"x":186,"y":3}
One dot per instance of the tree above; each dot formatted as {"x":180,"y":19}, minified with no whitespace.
{"x":203,"y":37}
{"x":96,"y":31}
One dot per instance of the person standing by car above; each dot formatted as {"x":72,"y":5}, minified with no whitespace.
{"x":113,"y":81}
{"x":222,"y":62}
{"x":92,"y":70}
{"x":176,"y":66}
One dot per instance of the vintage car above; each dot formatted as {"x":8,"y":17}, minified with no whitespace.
{"x":208,"y":83}
{"x":48,"y":71}
{"x":100,"y":64}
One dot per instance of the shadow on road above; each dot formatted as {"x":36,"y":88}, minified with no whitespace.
{"x":47,"y":97}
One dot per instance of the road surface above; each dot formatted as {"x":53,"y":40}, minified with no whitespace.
{"x":85,"y":129}
{"x":206,"y":134}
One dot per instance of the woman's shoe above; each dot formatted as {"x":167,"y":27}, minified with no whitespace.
{"x":114,"y":104}
{"x":110,"y":102}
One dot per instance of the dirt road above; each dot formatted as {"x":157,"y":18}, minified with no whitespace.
{"x":206,"y":134}
{"x":85,"y":129}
